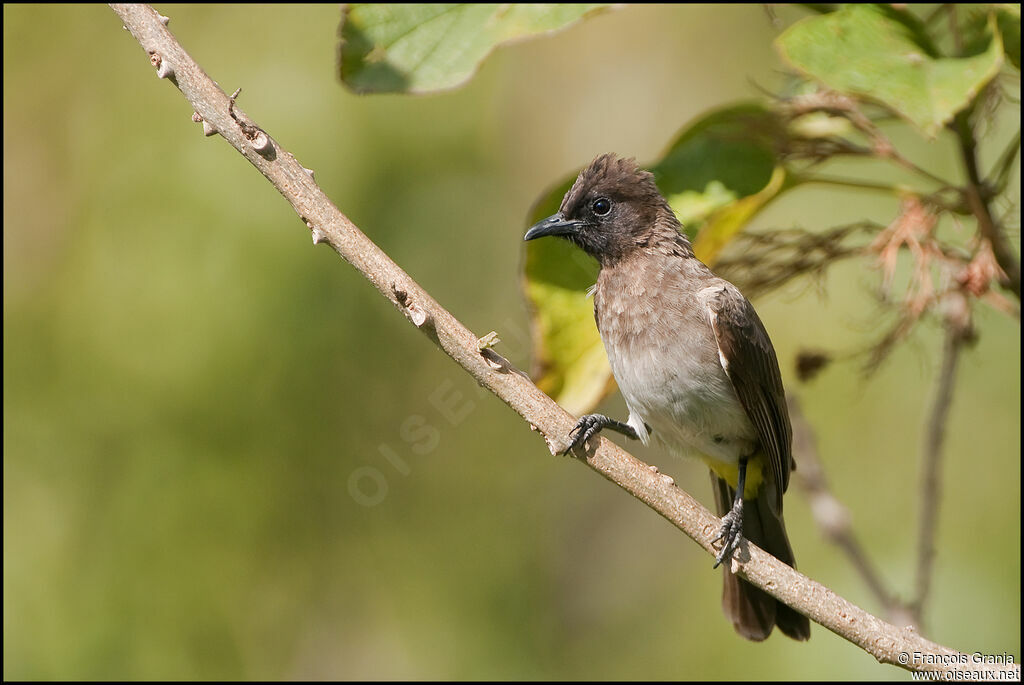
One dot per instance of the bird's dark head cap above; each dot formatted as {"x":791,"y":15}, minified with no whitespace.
{"x":617,"y":178}
{"x":613,"y":208}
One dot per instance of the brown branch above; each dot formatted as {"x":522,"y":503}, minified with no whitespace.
{"x":958,"y":333}
{"x":887,"y":643}
{"x":976,"y":194}
{"x":838,"y":104}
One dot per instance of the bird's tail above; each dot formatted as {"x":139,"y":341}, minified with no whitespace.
{"x":754,"y":612}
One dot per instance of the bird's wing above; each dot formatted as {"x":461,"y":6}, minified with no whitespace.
{"x":747,"y":355}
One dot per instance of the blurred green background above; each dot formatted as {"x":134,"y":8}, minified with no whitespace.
{"x":226,"y":456}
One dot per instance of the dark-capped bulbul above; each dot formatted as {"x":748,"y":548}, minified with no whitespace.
{"x":694,"y":364}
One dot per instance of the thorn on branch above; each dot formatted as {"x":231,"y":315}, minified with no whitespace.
{"x":495,"y":360}
{"x":489,"y":340}
{"x":555,"y":451}
{"x":318,"y":235}
{"x":499,"y":363}
{"x":552,"y":446}
{"x":163,"y":67}
{"x":416,"y":314}
{"x":261,"y":142}
{"x":208,"y":129}
{"x":256,"y":136}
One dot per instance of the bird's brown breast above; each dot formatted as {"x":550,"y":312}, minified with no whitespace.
{"x":654,"y":323}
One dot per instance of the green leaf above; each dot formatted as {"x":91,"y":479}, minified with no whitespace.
{"x":718,"y":173}
{"x":420,"y":48}
{"x":883,"y":54}
{"x":977,"y":30}
{"x":723,"y":225}
{"x":1008,"y":20}
{"x":1008,"y":17}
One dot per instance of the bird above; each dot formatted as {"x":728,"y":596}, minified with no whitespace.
{"x":694,"y":363}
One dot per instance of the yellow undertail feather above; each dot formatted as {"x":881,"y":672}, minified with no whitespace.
{"x":730,"y":473}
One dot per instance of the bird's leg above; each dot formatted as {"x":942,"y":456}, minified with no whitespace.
{"x":732,"y":523}
{"x":590,"y":425}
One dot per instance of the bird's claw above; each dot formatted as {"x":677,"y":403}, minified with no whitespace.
{"x":587,"y":427}
{"x":731,"y":534}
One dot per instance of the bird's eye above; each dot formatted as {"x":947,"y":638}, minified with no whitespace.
{"x":602,"y":206}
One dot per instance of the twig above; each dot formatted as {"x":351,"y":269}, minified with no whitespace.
{"x":1001,"y":171}
{"x":760,"y":262}
{"x":856,"y":183}
{"x":886,"y":642}
{"x":834,"y":103}
{"x":878,"y":351}
{"x":958,"y":333}
{"x":977,"y":200}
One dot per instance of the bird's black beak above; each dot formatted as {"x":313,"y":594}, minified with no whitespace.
{"x":556,"y":224}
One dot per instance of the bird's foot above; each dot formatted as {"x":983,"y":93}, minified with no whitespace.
{"x":587,"y":427}
{"x":731,"y":533}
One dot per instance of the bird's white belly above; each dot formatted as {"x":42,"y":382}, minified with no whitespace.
{"x":686,"y":398}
